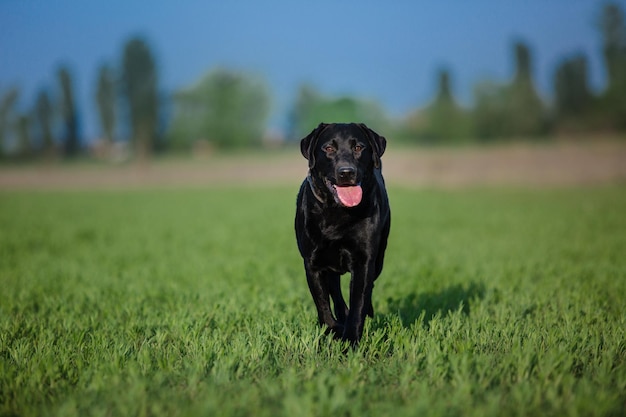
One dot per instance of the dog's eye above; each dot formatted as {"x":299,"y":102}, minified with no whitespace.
{"x":329,"y":148}
{"x":358,"y":148}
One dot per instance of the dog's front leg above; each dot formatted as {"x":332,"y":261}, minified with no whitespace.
{"x":319,"y":286}
{"x":341,"y":309}
{"x":361,"y":286}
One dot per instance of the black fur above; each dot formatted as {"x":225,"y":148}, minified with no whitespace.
{"x":334,"y":239}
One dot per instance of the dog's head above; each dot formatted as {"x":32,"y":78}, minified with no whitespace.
{"x":343,"y":158}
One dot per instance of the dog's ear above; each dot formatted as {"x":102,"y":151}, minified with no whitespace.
{"x":379,"y":143}
{"x":307,"y":144}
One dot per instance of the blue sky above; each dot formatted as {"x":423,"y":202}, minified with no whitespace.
{"x":385,"y":51}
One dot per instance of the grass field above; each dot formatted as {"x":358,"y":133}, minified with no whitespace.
{"x":194,"y":302}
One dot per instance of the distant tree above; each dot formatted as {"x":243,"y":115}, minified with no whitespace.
{"x":44,"y":114}
{"x":573,"y":99}
{"x":68,"y":112}
{"x":311,"y":108}
{"x":105,"y":100}
{"x":490,"y":111}
{"x":444,"y":92}
{"x":513,"y":110}
{"x":140,"y":83}
{"x":8,"y":100}
{"x":225,"y":108}
{"x":444,"y":121}
{"x":614,"y":43}
{"x":24,"y":139}
{"x":523,"y":73}
{"x":613,"y":29}
{"x":301,"y":116}
{"x":526,"y":115}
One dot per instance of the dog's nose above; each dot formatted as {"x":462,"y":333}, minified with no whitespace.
{"x":346,"y":174}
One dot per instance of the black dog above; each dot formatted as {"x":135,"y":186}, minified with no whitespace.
{"x":342,"y":222}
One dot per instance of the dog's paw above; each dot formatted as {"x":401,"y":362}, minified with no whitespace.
{"x":336,"y":331}
{"x":351,"y":337}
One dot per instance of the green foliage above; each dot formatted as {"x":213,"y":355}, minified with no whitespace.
{"x":140,"y":82}
{"x":573,"y":98}
{"x":499,"y":111}
{"x":613,"y":29}
{"x":8,"y":100}
{"x":69,"y":114}
{"x":24,"y":136}
{"x":312,"y":108}
{"x":226,"y":108}
{"x":513,"y":110}
{"x":194,"y":302}
{"x":525,"y":112}
{"x":443,"y":121}
{"x":105,"y":100}
{"x":489,"y":114}
{"x":45,"y":114}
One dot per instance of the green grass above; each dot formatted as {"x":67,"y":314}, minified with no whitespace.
{"x":194,"y":302}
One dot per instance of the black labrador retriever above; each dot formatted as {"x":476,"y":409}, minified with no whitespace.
{"x":342,"y":222}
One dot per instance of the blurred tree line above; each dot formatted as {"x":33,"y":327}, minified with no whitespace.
{"x":51,"y":129}
{"x":225,"y":109}
{"x":230,"y":109}
{"x":515,"y":110}
{"x":311,"y":107}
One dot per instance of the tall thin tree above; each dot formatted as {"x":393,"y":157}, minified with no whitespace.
{"x":105,"y":100}
{"x":69,"y":114}
{"x":525,"y":112}
{"x":572,"y":95}
{"x":24,"y":141}
{"x":613,"y":28}
{"x":140,"y":88}
{"x":7,"y":104}
{"x":446,"y":121}
{"x":44,"y":114}
{"x":444,"y":92}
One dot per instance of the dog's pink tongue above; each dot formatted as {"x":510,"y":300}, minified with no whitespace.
{"x":350,"y":196}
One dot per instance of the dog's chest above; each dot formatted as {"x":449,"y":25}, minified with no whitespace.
{"x":332,"y":256}
{"x":336,"y":239}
